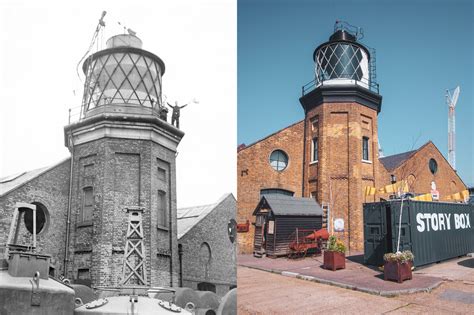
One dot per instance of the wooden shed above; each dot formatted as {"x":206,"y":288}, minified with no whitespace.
{"x":278,"y":217}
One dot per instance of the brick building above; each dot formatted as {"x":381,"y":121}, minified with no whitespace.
{"x":207,"y":242}
{"x":107,"y":214}
{"x":332,"y":155}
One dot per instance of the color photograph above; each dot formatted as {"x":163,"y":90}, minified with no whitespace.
{"x":355,"y":156}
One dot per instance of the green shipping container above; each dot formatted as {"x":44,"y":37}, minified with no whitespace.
{"x":433,"y":231}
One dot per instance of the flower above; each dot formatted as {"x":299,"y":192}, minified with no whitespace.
{"x":402,"y":257}
{"x":335,"y":245}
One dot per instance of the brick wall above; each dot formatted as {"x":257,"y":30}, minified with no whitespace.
{"x":51,"y":189}
{"x":221,"y":270}
{"x":338,"y":177}
{"x":417,"y":172}
{"x":255,"y":173}
{"x":123,"y":173}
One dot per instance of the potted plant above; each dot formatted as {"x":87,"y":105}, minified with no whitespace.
{"x":334,"y":255}
{"x":397,"y":266}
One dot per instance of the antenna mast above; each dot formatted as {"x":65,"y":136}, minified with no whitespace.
{"x":451,"y":100}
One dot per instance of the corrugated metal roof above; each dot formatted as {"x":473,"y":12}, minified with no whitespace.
{"x":189,"y":217}
{"x":391,"y":162}
{"x":11,"y":182}
{"x":287,"y":205}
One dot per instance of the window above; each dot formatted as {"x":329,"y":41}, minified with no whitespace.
{"x":162,"y":210}
{"x":314,"y":124}
{"x":314,"y":150}
{"x":279,"y":160}
{"x":433,"y":166}
{"x":41,"y":217}
{"x":88,"y":204}
{"x":365,"y":148}
{"x":275,"y":191}
{"x":161,"y":174}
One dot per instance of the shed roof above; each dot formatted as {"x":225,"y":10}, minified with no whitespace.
{"x":282,"y":205}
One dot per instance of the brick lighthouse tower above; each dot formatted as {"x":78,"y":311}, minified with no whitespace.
{"x":340,"y":131}
{"x":122,"y":228}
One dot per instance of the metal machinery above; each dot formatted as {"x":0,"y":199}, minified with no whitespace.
{"x":25,"y":284}
{"x":306,"y":241}
{"x":27,"y":288}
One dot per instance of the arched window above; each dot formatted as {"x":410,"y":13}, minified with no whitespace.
{"x":275,"y":191}
{"x":205,"y":253}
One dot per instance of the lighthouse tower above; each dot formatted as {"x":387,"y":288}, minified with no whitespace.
{"x":340,"y":133}
{"x":123,"y":169}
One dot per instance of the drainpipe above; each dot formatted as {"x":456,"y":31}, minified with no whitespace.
{"x":304,"y":155}
{"x":180,"y":254}
{"x":68,"y":220}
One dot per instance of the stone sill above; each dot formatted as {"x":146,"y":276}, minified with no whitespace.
{"x":313,"y":162}
{"x":367,"y":161}
{"x":84,"y":224}
{"x":163,"y":228}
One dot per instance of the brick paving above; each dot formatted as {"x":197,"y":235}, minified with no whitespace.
{"x":262,"y":292}
{"x":356,"y":276}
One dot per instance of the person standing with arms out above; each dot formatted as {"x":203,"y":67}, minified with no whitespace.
{"x":176,"y":113}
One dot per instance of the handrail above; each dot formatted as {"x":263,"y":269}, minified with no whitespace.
{"x":313,"y":84}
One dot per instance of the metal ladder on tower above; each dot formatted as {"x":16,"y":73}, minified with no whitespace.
{"x":134,"y":271}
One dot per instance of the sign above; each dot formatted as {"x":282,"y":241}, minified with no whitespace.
{"x":339,"y":225}
{"x":434,"y":192}
{"x":442,"y":221}
{"x":271,"y":227}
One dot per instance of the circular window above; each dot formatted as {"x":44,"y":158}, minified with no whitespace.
{"x":433,"y":166}
{"x":232,"y":229}
{"x":278,"y":160}
{"x":41,"y":214}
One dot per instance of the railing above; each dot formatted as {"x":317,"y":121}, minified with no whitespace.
{"x":76,"y":114}
{"x":310,"y":86}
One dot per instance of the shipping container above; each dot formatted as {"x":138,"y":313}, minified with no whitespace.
{"x":278,"y":217}
{"x":433,"y":231}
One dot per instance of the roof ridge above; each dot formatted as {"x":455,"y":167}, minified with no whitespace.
{"x":270,"y":135}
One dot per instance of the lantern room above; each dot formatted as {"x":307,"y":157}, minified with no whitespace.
{"x":122,"y":78}
{"x":343,"y":60}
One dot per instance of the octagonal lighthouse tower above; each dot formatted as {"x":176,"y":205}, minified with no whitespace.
{"x":341,"y":151}
{"x":122,"y":228}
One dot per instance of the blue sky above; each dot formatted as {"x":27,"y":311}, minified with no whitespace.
{"x":422,"y":48}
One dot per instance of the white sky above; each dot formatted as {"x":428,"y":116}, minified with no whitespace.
{"x":42,"y":42}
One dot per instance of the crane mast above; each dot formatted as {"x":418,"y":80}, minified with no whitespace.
{"x":451,"y":100}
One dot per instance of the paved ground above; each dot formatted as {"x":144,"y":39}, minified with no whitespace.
{"x":262,"y":292}
{"x":355,"y":276}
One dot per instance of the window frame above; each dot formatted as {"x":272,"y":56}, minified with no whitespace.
{"x":278,"y":160}
{"x":314,"y":150}
{"x":84,"y":190}
{"x":365,"y":149}
{"x":162,"y":220}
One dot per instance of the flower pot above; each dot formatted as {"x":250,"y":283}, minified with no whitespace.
{"x":397,"y":271}
{"x":334,"y":260}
